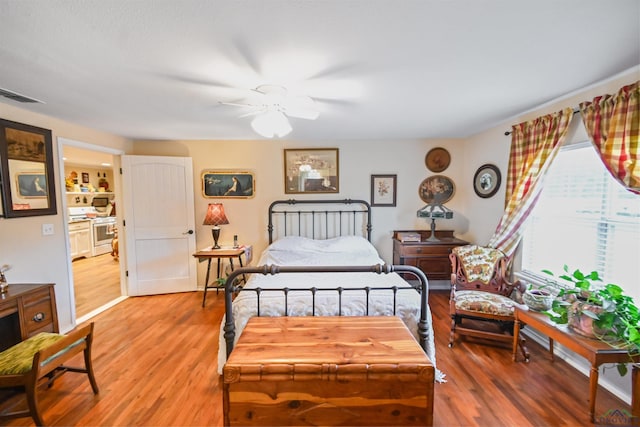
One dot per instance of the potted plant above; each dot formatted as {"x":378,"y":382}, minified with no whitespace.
{"x":600,"y":311}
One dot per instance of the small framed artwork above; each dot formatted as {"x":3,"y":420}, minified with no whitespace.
{"x":311,"y":170}
{"x":486,"y":180}
{"x":85,"y":177}
{"x":31,"y":184}
{"x":26,"y":165}
{"x":436,"y":190}
{"x":383,"y":190}
{"x":437,"y":159}
{"x":228,"y":184}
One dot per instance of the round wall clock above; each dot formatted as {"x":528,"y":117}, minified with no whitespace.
{"x":437,"y":189}
{"x":437,"y":159}
{"x":486,"y":181}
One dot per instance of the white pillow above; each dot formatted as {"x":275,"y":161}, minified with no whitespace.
{"x":342,"y":244}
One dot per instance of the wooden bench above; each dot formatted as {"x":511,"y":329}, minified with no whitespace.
{"x":24,"y":365}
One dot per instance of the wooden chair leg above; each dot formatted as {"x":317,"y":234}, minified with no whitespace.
{"x":523,"y":348}
{"x":89,"y":366}
{"x":32,"y":401}
{"x":452,"y":334}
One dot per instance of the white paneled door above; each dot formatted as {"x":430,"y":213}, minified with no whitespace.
{"x":159,"y":224}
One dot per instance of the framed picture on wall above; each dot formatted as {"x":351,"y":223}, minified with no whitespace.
{"x":383,"y":190}
{"x":486,"y":180}
{"x":26,"y":162}
{"x":228,"y":184}
{"x":311,"y":170}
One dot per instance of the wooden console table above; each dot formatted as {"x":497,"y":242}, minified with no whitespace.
{"x":595,"y":351}
{"x":25,"y":310}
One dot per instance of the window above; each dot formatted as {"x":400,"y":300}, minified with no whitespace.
{"x":585,"y":219}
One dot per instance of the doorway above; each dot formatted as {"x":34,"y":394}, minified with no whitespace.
{"x":90,"y":201}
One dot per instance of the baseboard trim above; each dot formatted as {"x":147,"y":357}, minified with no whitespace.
{"x":99,"y":310}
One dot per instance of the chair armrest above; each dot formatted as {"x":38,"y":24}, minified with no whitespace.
{"x":51,"y":357}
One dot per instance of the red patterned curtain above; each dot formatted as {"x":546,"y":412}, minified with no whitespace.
{"x":613,"y":124}
{"x":533,"y":145}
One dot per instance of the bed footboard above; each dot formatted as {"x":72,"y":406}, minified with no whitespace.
{"x":419,"y":284}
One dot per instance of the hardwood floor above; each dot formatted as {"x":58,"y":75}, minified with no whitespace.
{"x":96,"y":282}
{"x":155,"y":361}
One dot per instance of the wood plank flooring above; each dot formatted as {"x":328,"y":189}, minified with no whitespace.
{"x":96,"y":282}
{"x":155,"y":361}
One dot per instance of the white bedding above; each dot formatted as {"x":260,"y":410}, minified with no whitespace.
{"x":340,"y":251}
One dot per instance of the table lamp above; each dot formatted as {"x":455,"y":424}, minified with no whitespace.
{"x":434,"y":211}
{"x":216,"y":217}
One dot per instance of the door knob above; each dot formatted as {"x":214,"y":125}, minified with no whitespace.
{"x":188,"y":232}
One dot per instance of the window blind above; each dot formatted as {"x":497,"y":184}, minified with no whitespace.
{"x":586,"y":219}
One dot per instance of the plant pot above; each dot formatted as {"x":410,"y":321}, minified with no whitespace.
{"x":581,"y":323}
{"x":538,"y":299}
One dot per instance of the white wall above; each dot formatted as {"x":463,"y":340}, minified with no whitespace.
{"x":35,"y":258}
{"x":358,"y":160}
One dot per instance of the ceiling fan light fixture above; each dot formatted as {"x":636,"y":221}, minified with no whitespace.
{"x":270,"y":124}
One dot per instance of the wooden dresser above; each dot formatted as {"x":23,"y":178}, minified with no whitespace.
{"x":432,"y":257}
{"x":25,"y":310}
{"x":327,"y":371}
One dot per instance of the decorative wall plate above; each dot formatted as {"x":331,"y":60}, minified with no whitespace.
{"x":486,"y":180}
{"x":437,"y":189}
{"x":437,"y":159}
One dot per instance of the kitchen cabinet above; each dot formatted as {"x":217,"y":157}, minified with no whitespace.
{"x":80,"y":239}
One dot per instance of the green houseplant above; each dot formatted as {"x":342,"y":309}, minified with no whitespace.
{"x":601,"y":311}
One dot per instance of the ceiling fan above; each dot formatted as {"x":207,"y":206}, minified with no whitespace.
{"x":272,"y":107}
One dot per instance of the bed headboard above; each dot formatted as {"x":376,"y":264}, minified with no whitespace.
{"x":319,"y":219}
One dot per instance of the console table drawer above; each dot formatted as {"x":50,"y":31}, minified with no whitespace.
{"x":38,"y":317}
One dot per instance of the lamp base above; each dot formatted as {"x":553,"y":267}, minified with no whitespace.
{"x":433,"y":237}
{"x":215,"y":231}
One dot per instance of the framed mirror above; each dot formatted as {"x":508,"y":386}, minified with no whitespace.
{"x":26,"y":170}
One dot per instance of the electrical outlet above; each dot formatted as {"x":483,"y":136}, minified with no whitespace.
{"x":47,"y":229}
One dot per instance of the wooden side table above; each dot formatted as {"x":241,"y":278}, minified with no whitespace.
{"x":595,"y":351}
{"x":219,"y":254}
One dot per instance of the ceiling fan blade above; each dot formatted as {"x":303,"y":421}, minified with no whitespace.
{"x":302,"y":107}
{"x":251,"y":113}
{"x":301,"y":113}
{"x":238,"y":104}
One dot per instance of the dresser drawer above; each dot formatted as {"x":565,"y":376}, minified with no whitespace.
{"x":38,"y":312}
{"x":421,"y":250}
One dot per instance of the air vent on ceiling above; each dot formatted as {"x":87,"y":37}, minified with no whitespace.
{"x":17,"y":97}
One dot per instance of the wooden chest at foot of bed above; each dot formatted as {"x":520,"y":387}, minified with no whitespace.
{"x":327,"y":371}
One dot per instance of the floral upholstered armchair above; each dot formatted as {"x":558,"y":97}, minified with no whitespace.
{"x":482,"y":298}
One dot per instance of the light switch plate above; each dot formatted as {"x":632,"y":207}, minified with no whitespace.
{"x":47,"y":229}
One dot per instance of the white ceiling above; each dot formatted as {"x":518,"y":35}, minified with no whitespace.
{"x":379,"y":69}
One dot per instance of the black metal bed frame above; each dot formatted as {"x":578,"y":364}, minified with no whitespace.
{"x":317,"y":216}
{"x":421,"y":286}
{"x":321,"y":219}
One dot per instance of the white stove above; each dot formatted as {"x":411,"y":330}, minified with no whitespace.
{"x":102,"y":227}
